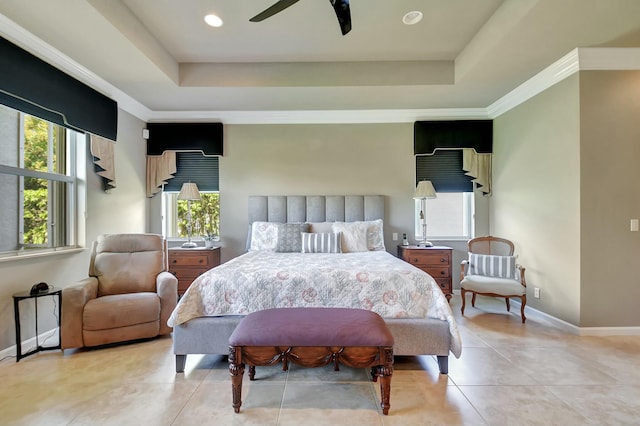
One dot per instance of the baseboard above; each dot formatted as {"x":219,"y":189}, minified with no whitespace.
{"x":580,"y":331}
{"x":31,"y":343}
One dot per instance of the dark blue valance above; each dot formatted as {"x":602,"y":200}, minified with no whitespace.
{"x":457,"y":134}
{"x":204,"y":137}
{"x":31,"y":85}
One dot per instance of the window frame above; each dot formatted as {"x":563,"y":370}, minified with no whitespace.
{"x":468,"y":212}
{"x":62,"y":206}
{"x":169,"y":206}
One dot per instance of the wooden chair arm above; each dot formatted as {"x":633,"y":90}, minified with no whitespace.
{"x":522,"y":280}
{"x":463,"y":267}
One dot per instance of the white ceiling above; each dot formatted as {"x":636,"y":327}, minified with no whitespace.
{"x":464,"y":53}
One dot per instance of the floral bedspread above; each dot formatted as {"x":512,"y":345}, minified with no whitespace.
{"x":374,"y":280}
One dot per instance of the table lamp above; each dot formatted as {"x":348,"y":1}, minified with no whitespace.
{"x":423,"y":191}
{"x":189,"y":192}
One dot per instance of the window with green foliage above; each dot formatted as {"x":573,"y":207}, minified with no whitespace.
{"x":205,"y":215}
{"x":36,"y":183}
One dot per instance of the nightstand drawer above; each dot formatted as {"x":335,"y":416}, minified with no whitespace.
{"x":188,"y":274}
{"x":424,"y":258}
{"x":188,"y":264}
{"x":436,"y":272}
{"x":445,"y":284}
{"x":195,"y":259}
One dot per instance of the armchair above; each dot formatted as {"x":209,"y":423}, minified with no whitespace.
{"x":491,"y":271}
{"x":129,"y":293}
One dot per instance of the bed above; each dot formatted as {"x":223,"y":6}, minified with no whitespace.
{"x":292,"y":262}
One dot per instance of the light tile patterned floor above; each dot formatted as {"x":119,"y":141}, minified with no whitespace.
{"x":508,"y":374}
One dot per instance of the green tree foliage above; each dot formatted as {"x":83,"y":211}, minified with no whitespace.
{"x":35,"y":215}
{"x":205,"y":215}
{"x":36,"y":143}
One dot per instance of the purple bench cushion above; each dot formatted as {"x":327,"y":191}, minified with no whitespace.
{"x":312,"y":327}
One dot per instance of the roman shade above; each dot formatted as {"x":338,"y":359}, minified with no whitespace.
{"x":31,"y":85}
{"x":444,"y":170}
{"x":197,"y":168}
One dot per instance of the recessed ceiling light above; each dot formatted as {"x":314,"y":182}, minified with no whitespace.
{"x":213,"y":20}
{"x":413,"y":17}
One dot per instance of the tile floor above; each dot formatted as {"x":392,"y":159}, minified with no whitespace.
{"x":508,"y":374}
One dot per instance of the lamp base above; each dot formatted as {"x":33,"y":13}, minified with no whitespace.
{"x":425,"y":244}
{"x":189,"y":244}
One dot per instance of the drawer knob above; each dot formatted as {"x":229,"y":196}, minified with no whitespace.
{"x":442,"y":260}
{"x":174,"y":261}
{"x":200,"y":261}
{"x":415,"y":260}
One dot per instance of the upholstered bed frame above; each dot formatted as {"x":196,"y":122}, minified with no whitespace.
{"x":413,"y":336}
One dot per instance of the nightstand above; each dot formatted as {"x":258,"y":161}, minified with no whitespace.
{"x":188,"y":263}
{"x":435,"y":261}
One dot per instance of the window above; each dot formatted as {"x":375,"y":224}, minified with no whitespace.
{"x":37,"y":183}
{"x":205,"y":214}
{"x":449,"y":216}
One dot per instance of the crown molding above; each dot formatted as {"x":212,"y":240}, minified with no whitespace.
{"x":579,"y":59}
{"x":609,"y":58}
{"x":576,"y":60}
{"x":553,"y":74}
{"x":34,"y":45}
{"x":321,"y":116}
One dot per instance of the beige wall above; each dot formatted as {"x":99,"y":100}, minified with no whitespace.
{"x":123,"y":210}
{"x":321,"y":159}
{"x":610,"y":158}
{"x":536,"y":195}
{"x":565,"y":172}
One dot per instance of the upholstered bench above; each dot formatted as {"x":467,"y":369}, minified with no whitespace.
{"x":312,"y":337}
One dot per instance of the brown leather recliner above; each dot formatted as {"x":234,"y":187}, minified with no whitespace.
{"x":129,"y":293}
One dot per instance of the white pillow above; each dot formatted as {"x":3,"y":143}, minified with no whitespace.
{"x":375,"y":236}
{"x":354,"y":236}
{"x":320,"y":227}
{"x":264,"y":236}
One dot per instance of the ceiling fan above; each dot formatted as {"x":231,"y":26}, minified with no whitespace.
{"x":341,"y":7}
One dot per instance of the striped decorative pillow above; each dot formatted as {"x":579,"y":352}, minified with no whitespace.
{"x":492,"y":266}
{"x":321,"y":242}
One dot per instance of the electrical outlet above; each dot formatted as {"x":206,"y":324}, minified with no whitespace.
{"x":634,"y":225}
{"x":536,"y":292}
{"x":395,"y":236}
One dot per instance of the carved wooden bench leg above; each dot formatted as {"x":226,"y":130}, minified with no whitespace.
{"x":236,"y":370}
{"x":385,"y":388}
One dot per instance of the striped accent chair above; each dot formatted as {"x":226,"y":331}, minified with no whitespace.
{"x":491,"y":270}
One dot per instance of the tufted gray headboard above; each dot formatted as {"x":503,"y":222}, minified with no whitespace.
{"x":315,"y":208}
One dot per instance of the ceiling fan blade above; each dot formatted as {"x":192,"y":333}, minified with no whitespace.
{"x":273,"y":9}
{"x":343,"y":12}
